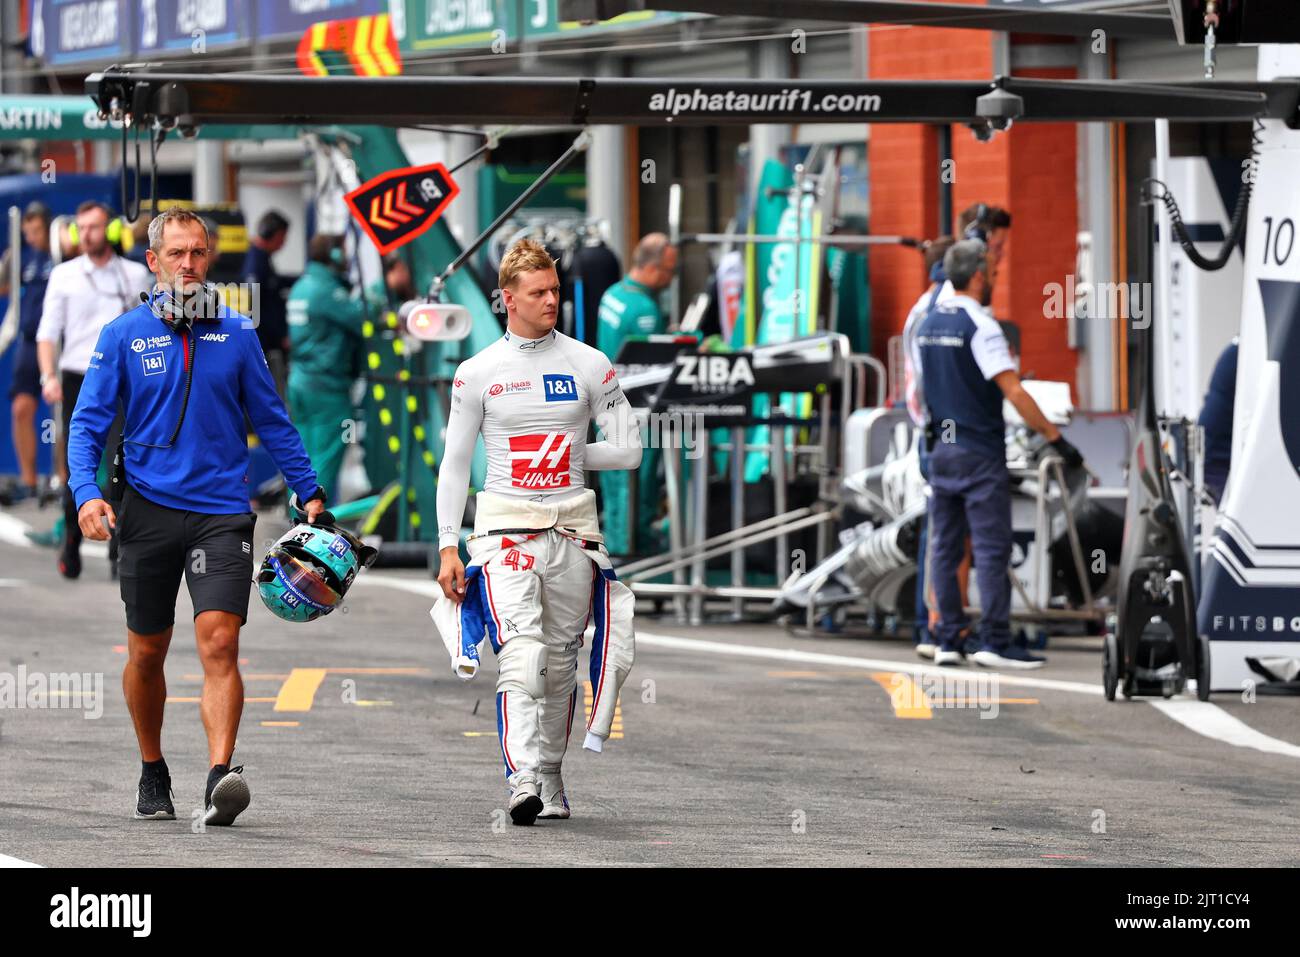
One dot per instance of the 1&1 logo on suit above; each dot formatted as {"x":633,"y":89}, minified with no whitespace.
{"x":154,"y":363}
{"x":560,"y":388}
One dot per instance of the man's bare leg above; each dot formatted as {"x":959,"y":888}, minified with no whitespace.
{"x":24,"y":432}
{"x":222,"y":704}
{"x":145,"y":688}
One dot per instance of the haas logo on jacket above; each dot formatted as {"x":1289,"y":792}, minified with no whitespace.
{"x":540,"y":461}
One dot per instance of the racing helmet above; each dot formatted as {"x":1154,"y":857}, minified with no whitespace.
{"x":309,"y":569}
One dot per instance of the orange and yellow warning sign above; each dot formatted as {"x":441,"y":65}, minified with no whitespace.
{"x":364,"y":45}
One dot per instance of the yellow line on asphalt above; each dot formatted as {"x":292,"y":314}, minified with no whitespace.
{"x":820,"y":674}
{"x":258,"y":677}
{"x":980,"y":702}
{"x":908,"y":698}
{"x":279,"y":724}
{"x":187,"y":700}
{"x":299,"y":689}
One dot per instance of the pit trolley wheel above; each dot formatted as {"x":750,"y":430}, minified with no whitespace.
{"x":1110,"y":665}
{"x":1203,"y":667}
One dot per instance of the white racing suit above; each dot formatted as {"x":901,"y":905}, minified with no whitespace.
{"x":538,"y":576}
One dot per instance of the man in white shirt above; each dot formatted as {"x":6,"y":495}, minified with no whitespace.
{"x":539,"y":571}
{"x":83,"y":295}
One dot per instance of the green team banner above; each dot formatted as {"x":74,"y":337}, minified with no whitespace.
{"x":44,"y":117}
{"x":541,"y":19}
{"x":433,"y":25}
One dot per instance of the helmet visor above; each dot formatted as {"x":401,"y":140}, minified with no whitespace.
{"x":304,"y":581}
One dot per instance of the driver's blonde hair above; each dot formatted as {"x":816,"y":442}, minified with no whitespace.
{"x":524,"y":256}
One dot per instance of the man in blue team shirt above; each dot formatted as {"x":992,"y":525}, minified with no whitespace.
{"x":25,"y":392}
{"x":273,"y":290}
{"x":186,"y":371}
{"x":1216,"y":419}
{"x":967,"y":370}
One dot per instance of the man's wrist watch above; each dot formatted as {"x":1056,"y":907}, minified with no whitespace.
{"x":45,"y":377}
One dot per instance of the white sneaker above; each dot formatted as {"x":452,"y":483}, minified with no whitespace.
{"x":1009,"y":657}
{"x":525,"y":801}
{"x":926,"y":650}
{"x":947,"y":656}
{"x":555,"y":804}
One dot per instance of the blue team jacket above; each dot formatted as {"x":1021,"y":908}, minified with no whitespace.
{"x":140,"y":362}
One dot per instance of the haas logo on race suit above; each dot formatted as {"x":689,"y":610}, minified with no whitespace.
{"x":540,"y":461}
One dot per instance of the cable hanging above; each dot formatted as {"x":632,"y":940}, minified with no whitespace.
{"x":1238,"y":221}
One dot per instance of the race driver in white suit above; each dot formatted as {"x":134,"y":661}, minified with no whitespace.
{"x":539,"y":573}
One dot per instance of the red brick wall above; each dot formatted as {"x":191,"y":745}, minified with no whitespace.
{"x":1030,"y":170}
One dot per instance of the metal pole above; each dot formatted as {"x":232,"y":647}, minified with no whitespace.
{"x":1163,"y":253}
{"x":826,"y":239}
{"x":650,"y":567}
{"x":676,"y":538}
{"x":1076,"y":549}
{"x":945,"y":182}
{"x":700,"y":518}
{"x":580,"y":143}
{"x":404,"y":463}
{"x":674,"y":237}
{"x":1198,"y":491}
{"x":738,"y":516}
{"x":823,"y":533}
{"x":777,"y":434}
{"x":749,"y":539}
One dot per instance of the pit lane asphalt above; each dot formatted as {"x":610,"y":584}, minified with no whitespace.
{"x":725,"y":759}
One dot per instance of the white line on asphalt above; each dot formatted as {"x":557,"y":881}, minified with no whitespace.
{"x":428,"y":589}
{"x":13,"y":531}
{"x":1200,"y":716}
{"x":1214,"y":722}
{"x":6,"y":861}
{"x":852,"y":661}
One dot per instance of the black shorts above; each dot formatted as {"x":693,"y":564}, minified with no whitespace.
{"x":27,"y":371}
{"x":156,"y":544}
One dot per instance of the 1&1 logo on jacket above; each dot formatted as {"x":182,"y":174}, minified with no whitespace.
{"x":560,"y":388}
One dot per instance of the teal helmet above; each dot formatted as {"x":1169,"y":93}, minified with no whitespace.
{"x":309,"y":569}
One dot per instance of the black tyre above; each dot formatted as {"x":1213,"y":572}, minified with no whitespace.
{"x":1203,"y":668}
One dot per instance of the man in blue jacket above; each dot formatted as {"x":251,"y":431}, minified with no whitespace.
{"x":186,"y":371}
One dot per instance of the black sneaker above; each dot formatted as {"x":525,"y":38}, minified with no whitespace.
{"x":1008,"y":656}
{"x":70,"y":562}
{"x":227,"y":796}
{"x":154,"y":802}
